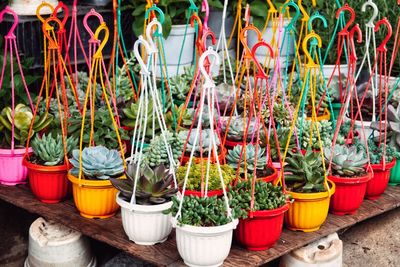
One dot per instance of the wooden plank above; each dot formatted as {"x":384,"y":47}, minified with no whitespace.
{"x":111,"y":232}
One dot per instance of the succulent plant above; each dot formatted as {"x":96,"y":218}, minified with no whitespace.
{"x":205,"y":211}
{"x":180,"y":84}
{"x":22,"y":121}
{"x":98,"y":163}
{"x":50,"y":150}
{"x":283,"y":134}
{"x":83,"y":81}
{"x":325,"y":132}
{"x":156,"y":153}
{"x":392,"y":126}
{"x":225,"y":96}
{"x":346,"y":161}
{"x":186,"y":120}
{"x":205,"y":141}
{"x":237,"y":128}
{"x":266,"y":197}
{"x":131,"y":113}
{"x":320,"y":99}
{"x":234,"y":158}
{"x":154,"y":185}
{"x":199,"y":170}
{"x":305,"y":172}
{"x":376,"y":153}
{"x":281,"y":115}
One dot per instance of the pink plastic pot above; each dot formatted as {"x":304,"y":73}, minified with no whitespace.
{"x":12,"y":172}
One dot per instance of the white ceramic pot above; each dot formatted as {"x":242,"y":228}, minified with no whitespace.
{"x":326,"y":252}
{"x":55,"y":245}
{"x":204,"y":246}
{"x":145,"y":225}
{"x":172,"y":49}
{"x":28,"y":7}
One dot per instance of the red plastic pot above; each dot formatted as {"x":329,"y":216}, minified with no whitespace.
{"x":231,"y":144}
{"x":377,"y":185}
{"x":210,"y":193}
{"x":261,"y":229}
{"x":349,"y":195}
{"x":49,"y":184}
{"x":271,"y":178}
{"x":221,"y":156}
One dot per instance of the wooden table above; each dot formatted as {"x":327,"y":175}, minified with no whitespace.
{"x":110,"y":230}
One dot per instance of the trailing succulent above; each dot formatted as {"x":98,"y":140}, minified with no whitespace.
{"x":237,"y":128}
{"x":156,"y":153}
{"x":199,"y":170}
{"x":325,"y":131}
{"x":50,"y":150}
{"x":249,"y":153}
{"x":392,"y":126}
{"x":196,"y":211}
{"x":346,"y":161}
{"x":205,"y":141}
{"x":305,"y":173}
{"x":22,"y":121}
{"x":266,"y":197}
{"x":98,"y":163}
{"x":154,"y":185}
{"x":376,"y":153}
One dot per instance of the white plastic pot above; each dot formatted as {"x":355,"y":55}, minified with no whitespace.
{"x":204,"y":246}
{"x":55,"y":245}
{"x":145,"y":225}
{"x":326,"y":252}
{"x":327,"y":70}
{"x":28,"y":7}
{"x":172,"y":49}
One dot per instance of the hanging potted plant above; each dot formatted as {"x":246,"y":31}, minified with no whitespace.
{"x":381,"y":171}
{"x":261,"y":226}
{"x":94,"y":195}
{"x":235,"y":134}
{"x":350,"y":177}
{"x":143,"y":221}
{"x":14,"y":136}
{"x":324,"y":129}
{"x":47,"y":168}
{"x":306,"y":184}
{"x":204,"y":229}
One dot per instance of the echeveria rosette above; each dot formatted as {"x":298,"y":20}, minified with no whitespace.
{"x":98,"y":162}
{"x":346,"y":161}
{"x":234,"y":157}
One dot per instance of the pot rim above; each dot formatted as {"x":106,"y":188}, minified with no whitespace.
{"x":90,"y":183}
{"x":268,"y":213}
{"x":272,"y":176}
{"x":15,"y":152}
{"x":379,"y":167}
{"x":314,"y":196}
{"x":351,"y":180}
{"x":143,"y":208}
{"x":44,"y":168}
{"x":207,"y":229}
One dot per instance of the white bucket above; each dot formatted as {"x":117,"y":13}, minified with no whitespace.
{"x":28,"y":7}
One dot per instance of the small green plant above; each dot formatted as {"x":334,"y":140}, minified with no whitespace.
{"x":196,"y":211}
{"x":346,"y":161}
{"x":154,"y":185}
{"x":98,"y":163}
{"x":305,"y":172}
{"x":131,"y":113}
{"x":266,"y":197}
{"x":325,"y":132}
{"x":175,"y":113}
{"x":199,"y":170}
{"x":180,"y":84}
{"x":235,"y":160}
{"x":392,"y":126}
{"x":202,"y":145}
{"x":237,"y":128}
{"x":281,"y":115}
{"x":376,"y":153}
{"x":50,"y":150}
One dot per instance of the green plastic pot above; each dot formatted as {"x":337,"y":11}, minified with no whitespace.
{"x":395,"y":174}
{"x":336,"y":109}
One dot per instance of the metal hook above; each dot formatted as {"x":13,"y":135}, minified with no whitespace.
{"x":39,"y":8}
{"x":205,"y":8}
{"x":315,"y":16}
{"x":52,"y":43}
{"x":260,"y":70}
{"x":142,"y":41}
{"x":149,"y":38}
{"x":64,"y":7}
{"x":291,"y":3}
{"x":375,"y":13}
{"x":102,"y":27}
{"x":209,"y":52}
{"x":158,"y":10}
{"x":346,"y":7}
{"x":384,"y":21}
{"x":354,"y":30}
{"x":303,"y":10}
{"x":8,"y":10}
{"x":310,"y":60}
{"x":94,"y":13}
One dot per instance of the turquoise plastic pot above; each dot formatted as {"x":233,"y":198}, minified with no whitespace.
{"x":336,"y":109}
{"x":395,"y":174}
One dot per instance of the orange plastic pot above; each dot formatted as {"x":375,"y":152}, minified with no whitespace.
{"x":309,"y":210}
{"x":379,"y":182}
{"x":94,"y":198}
{"x":261,"y":229}
{"x":49,"y":184}
{"x":349,"y":195}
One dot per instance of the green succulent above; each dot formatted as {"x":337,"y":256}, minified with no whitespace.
{"x":186,"y":120}
{"x":22,"y":121}
{"x":154,"y":185}
{"x":234,"y":158}
{"x":205,"y":141}
{"x":283,"y":134}
{"x":98,"y":163}
{"x":50,"y":150}
{"x":319,"y":97}
{"x":156,"y":153}
{"x":237,"y":128}
{"x":376,"y":153}
{"x":281,"y":115}
{"x":346,"y":161}
{"x":180,"y":84}
{"x":131,"y":113}
{"x":196,"y":211}
{"x":325,"y":132}
{"x":266,"y":197}
{"x":83,"y":81}
{"x":305,"y":172}
{"x":392,"y":127}
{"x":199,"y":170}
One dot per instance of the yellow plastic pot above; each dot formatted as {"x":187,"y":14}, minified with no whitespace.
{"x":309,"y":210}
{"x":325,"y":117}
{"x":94,"y":198}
